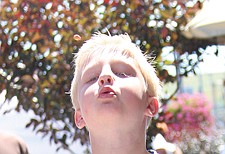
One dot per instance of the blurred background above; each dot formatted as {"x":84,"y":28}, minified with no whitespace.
{"x":187,"y":39}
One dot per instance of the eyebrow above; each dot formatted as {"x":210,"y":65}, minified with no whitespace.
{"x":123,"y":61}
{"x":114,"y":60}
{"x":120,"y":59}
{"x":127,"y":64}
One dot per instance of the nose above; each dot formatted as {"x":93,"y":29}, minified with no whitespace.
{"x":105,"y":79}
{"x":106,"y":76}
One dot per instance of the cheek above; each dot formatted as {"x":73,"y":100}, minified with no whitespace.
{"x":83,"y":101}
{"x":134,"y":91}
{"x":85,"y":97}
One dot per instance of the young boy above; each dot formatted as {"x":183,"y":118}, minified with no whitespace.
{"x":115,"y":94}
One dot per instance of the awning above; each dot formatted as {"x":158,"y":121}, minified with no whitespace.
{"x":209,"y":21}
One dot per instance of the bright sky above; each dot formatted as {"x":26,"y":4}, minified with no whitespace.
{"x":213,"y":63}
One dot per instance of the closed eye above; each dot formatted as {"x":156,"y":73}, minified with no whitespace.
{"x":122,"y":74}
{"x":93,"y":79}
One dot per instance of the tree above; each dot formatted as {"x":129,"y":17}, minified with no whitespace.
{"x":37,"y":46}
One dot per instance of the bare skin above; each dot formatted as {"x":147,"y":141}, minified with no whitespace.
{"x":111,"y":107}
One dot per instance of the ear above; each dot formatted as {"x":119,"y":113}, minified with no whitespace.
{"x":79,"y":121}
{"x":152,"y":107}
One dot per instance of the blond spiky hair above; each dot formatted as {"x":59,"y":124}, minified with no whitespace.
{"x":102,"y":44}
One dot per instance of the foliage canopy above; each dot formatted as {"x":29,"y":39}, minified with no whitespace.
{"x":37,"y":46}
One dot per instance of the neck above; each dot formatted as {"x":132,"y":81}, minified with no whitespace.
{"x":115,"y":141}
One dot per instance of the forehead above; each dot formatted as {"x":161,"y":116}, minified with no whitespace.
{"x":116,"y":61}
{"x":93,"y":57}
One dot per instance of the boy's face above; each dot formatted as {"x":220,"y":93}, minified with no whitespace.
{"x":111,"y":91}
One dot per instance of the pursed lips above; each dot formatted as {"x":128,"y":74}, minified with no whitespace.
{"x":106,"y":92}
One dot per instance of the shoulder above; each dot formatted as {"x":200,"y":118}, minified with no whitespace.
{"x":6,"y":137}
{"x":13,"y":142}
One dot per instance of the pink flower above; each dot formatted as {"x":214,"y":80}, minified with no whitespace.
{"x":190,"y":113}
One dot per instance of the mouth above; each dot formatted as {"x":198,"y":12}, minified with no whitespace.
{"x":106,"y":92}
